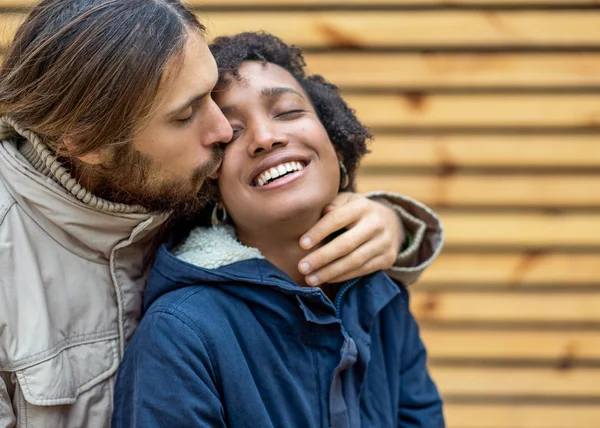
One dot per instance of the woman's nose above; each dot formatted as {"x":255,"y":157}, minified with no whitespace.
{"x":266,"y":137}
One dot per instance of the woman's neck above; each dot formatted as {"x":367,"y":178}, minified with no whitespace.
{"x":280,"y":244}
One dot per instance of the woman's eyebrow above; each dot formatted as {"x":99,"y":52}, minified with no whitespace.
{"x":272,"y":92}
{"x":277,"y":91}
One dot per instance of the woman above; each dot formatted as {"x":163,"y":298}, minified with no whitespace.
{"x":232,"y":336}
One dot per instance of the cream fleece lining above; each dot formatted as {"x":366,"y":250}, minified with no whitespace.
{"x":214,"y":247}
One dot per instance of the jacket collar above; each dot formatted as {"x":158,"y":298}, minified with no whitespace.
{"x":81,"y":222}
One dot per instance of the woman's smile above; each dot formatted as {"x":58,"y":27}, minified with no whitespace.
{"x":277,"y":172}
{"x":278,"y":169}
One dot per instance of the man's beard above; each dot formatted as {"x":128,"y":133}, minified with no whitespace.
{"x":133,"y":178}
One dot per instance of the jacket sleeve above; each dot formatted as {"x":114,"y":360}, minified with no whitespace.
{"x":7,"y":416}
{"x":166,"y":377}
{"x":420,"y":402}
{"x":424,"y":227}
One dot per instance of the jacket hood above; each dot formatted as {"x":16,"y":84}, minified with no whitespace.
{"x":213,"y":256}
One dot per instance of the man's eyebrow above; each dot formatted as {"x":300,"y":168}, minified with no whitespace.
{"x":187,"y":104}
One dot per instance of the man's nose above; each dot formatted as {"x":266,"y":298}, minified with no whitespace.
{"x":222,"y":131}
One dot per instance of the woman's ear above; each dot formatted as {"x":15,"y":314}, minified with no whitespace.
{"x":93,"y":158}
{"x":344,"y":177}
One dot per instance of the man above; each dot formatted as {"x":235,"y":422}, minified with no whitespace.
{"x":105,"y":135}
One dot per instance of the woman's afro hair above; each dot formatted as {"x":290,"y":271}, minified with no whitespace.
{"x":347,"y":134}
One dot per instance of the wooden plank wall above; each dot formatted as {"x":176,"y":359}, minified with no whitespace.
{"x":489,"y":111}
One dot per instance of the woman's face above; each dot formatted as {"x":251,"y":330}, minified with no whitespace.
{"x":280,"y":163}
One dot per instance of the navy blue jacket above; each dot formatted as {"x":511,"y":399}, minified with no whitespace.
{"x":244,"y":346}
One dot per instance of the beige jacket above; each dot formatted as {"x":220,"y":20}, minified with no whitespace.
{"x":72,"y":271}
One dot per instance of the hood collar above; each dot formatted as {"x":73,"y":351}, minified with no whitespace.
{"x":80,"y":221}
{"x":43,"y":160}
{"x":214,"y":247}
{"x":214,"y":256}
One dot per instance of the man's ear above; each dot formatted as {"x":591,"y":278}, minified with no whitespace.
{"x":92,"y":158}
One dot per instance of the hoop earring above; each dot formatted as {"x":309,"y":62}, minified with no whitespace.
{"x":218,"y":218}
{"x":344,"y":177}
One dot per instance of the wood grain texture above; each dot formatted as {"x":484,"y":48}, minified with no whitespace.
{"x":502,"y":306}
{"x":350,"y":29}
{"x":512,"y":345}
{"x":494,"y":190}
{"x":419,"y":110}
{"x":360,"y":29}
{"x":517,"y":382}
{"x":526,"y":230}
{"x":200,"y":3}
{"x":468,"y":71}
{"x":521,"y":416}
{"x":262,"y":3}
{"x":517,"y":270}
{"x":482,"y":151}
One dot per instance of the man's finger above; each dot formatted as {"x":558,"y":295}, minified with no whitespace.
{"x":378,"y":263}
{"x":362,"y":259}
{"x":331,"y":222}
{"x":341,"y":246}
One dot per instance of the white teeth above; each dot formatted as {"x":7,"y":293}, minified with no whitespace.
{"x":277,"y":171}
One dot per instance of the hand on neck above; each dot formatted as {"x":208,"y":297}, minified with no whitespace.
{"x":279,"y":242}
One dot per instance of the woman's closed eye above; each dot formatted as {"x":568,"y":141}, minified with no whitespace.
{"x":290,"y":114}
{"x":237,"y":130}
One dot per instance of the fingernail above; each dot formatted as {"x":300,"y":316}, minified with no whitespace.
{"x":304,"y":267}
{"x":312,"y":280}
{"x":306,"y":242}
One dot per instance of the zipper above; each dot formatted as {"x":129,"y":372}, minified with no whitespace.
{"x":338,"y":299}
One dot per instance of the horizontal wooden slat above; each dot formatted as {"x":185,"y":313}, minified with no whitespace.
{"x":449,"y":151}
{"x":516,"y":382}
{"x":490,"y":189}
{"x":384,"y":70}
{"x":521,"y":416}
{"x":9,"y":22}
{"x":518,"y":270}
{"x":213,"y":3}
{"x":444,"y":110}
{"x":18,"y":3}
{"x":529,"y":230}
{"x":402,"y":28}
{"x":511,"y":344}
{"x":446,"y":306}
{"x":200,"y":3}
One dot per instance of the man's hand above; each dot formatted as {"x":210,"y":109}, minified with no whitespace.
{"x":371,"y":242}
